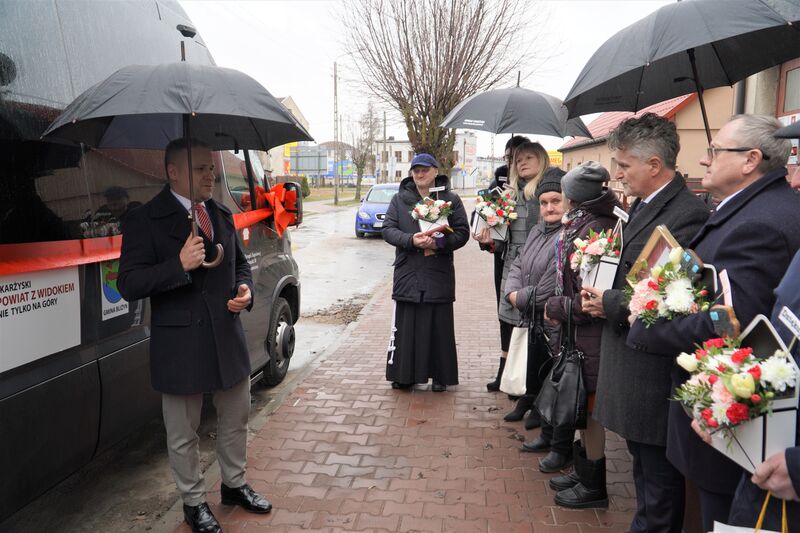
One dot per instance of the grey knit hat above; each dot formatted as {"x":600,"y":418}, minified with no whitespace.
{"x":551,"y":181}
{"x":584,"y":182}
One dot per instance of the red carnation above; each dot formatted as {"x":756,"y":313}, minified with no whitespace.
{"x":616,"y":252}
{"x":740,"y":355}
{"x":712,"y":378}
{"x":500,"y":212}
{"x":653,"y":285}
{"x":755,"y":371}
{"x":715,"y":343}
{"x":700,"y":354}
{"x":738,"y":412}
{"x":755,"y":398}
{"x":712,"y":423}
{"x":721,"y":367}
{"x":652,"y":304}
{"x":707,"y":413}
{"x":611,"y":240}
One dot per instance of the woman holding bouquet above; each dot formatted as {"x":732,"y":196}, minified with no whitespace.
{"x":589,"y":208}
{"x":423,"y":342}
{"x":528,"y":165}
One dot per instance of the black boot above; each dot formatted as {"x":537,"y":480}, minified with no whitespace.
{"x":533,"y":420}
{"x":568,"y":481}
{"x":524,"y":404}
{"x":591,"y":490}
{"x":494,"y":386}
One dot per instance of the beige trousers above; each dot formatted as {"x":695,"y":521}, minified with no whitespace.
{"x":182,"y":418}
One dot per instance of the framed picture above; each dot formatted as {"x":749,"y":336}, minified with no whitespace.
{"x":655,"y":252}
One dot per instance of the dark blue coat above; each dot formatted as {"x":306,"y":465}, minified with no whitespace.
{"x":419,"y":278}
{"x":754,"y":237}
{"x":196,"y":344}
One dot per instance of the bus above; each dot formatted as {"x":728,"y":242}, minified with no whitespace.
{"x":74,"y":362}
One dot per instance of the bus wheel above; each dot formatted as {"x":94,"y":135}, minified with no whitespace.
{"x":280,"y":342}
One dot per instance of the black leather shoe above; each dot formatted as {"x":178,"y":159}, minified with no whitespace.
{"x":554,"y":462}
{"x":201,"y":519}
{"x":533,"y":420}
{"x":537,"y":445}
{"x":567,"y":481}
{"x":438,"y":387}
{"x":401,"y":386}
{"x":246,"y":498}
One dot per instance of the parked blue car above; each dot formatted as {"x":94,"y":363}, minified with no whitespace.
{"x":370,"y":215}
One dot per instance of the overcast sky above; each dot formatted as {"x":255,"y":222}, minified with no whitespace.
{"x":290,"y":47}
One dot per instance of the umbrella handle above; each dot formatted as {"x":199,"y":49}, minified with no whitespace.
{"x":217,"y":260}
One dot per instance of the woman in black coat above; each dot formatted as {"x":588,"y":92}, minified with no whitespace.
{"x":423,"y":340}
{"x":589,"y":208}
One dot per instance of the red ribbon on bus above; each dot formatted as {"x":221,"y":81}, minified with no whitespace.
{"x":278,"y":202}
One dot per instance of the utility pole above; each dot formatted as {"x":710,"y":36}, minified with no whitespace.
{"x":335,"y":139}
{"x":385,"y":154}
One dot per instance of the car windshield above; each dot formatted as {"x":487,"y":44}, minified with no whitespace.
{"x":381,"y":196}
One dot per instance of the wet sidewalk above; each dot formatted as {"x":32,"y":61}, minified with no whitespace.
{"x":345,"y":452}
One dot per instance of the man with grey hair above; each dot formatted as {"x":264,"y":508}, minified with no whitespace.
{"x":633,"y":388}
{"x":753,"y":236}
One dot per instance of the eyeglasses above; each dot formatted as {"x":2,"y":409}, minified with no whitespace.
{"x":711,"y":152}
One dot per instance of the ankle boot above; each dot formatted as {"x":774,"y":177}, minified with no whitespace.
{"x":494,"y":386}
{"x":524,"y":404}
{"x":533,"y":420}
{"x":568,"y":481}
{"x":590,"y":491}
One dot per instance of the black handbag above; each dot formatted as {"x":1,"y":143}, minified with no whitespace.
{"x":540,"y":354}
{"x":562,"y":399}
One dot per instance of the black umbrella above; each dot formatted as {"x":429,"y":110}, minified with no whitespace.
{"x":791,"y":131}
{"x":685,"y":47}
{"x":515,"y":110}
{"x":147,"y":106}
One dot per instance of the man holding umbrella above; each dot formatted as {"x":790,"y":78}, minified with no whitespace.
{"x":197,"y":343}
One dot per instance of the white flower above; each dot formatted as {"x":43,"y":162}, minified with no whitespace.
{"x":778,"y":372}
{"x":675,"y":256}
{"x":687,"y":361}
{"x":423,"y":210}
{"x":487,"y":211}
{"x":414,"y":214}
{"x":719,"y":411}
{"x":678,"y":295}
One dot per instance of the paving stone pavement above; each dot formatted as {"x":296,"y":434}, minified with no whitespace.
{"x":345,"y":452}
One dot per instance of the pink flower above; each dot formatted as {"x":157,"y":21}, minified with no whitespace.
{"x":594,"y":248}
{"x":721,"y":395}
{"x":641,"y":295}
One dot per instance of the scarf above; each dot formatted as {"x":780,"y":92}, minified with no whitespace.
{"x":569,"y":229}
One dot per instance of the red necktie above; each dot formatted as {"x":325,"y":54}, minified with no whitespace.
{"x":203,"y":221}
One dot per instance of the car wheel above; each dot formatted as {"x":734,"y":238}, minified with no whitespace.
{"x":279,"y":343}
{"x":360,"y":234}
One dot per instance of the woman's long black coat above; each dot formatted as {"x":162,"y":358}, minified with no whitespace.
{"x":419,"y":278}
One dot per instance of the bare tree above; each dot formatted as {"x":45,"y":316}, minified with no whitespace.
{"x":425,"y":56}
{"x":364,"y":146}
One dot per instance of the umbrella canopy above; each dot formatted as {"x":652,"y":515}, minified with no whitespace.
{"x":789,"y":132}
{"x":515,"y":110}
{"x":143,"y":106}
{"x":685,"y":47}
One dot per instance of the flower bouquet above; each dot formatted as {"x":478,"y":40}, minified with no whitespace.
{"x":494,"y":211}
{"x":432,"y":214}
{"x":666,"y":292}
{"x":596,"y":259}
{"x":743,"y":395}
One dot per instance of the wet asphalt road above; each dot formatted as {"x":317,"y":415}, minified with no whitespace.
{"x":129,"y":487}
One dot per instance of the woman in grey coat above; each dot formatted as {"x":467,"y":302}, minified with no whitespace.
{"x":527,"y":168}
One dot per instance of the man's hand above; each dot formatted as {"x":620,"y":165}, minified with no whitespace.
{"x":772,"y":475}
{"x":512,"y":297}
{"x":484,"y":237}
{"x":423,"y":241}
{"x":193,"y":253}
{"x":242,"y":299}
{"x":701,"y":432}
{"x":592,"y":302}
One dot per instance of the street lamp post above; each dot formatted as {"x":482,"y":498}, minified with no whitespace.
{"x":335,"y":138}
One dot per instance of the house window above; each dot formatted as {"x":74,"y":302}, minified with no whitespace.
{"x":398,"y":173}
{"x":398,"y":156}
{"x":789,"y":88}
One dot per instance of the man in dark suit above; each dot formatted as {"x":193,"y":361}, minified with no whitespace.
{"x":753,"y":236}
{"x":197,"y":343}
{"x":633,"y":388}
